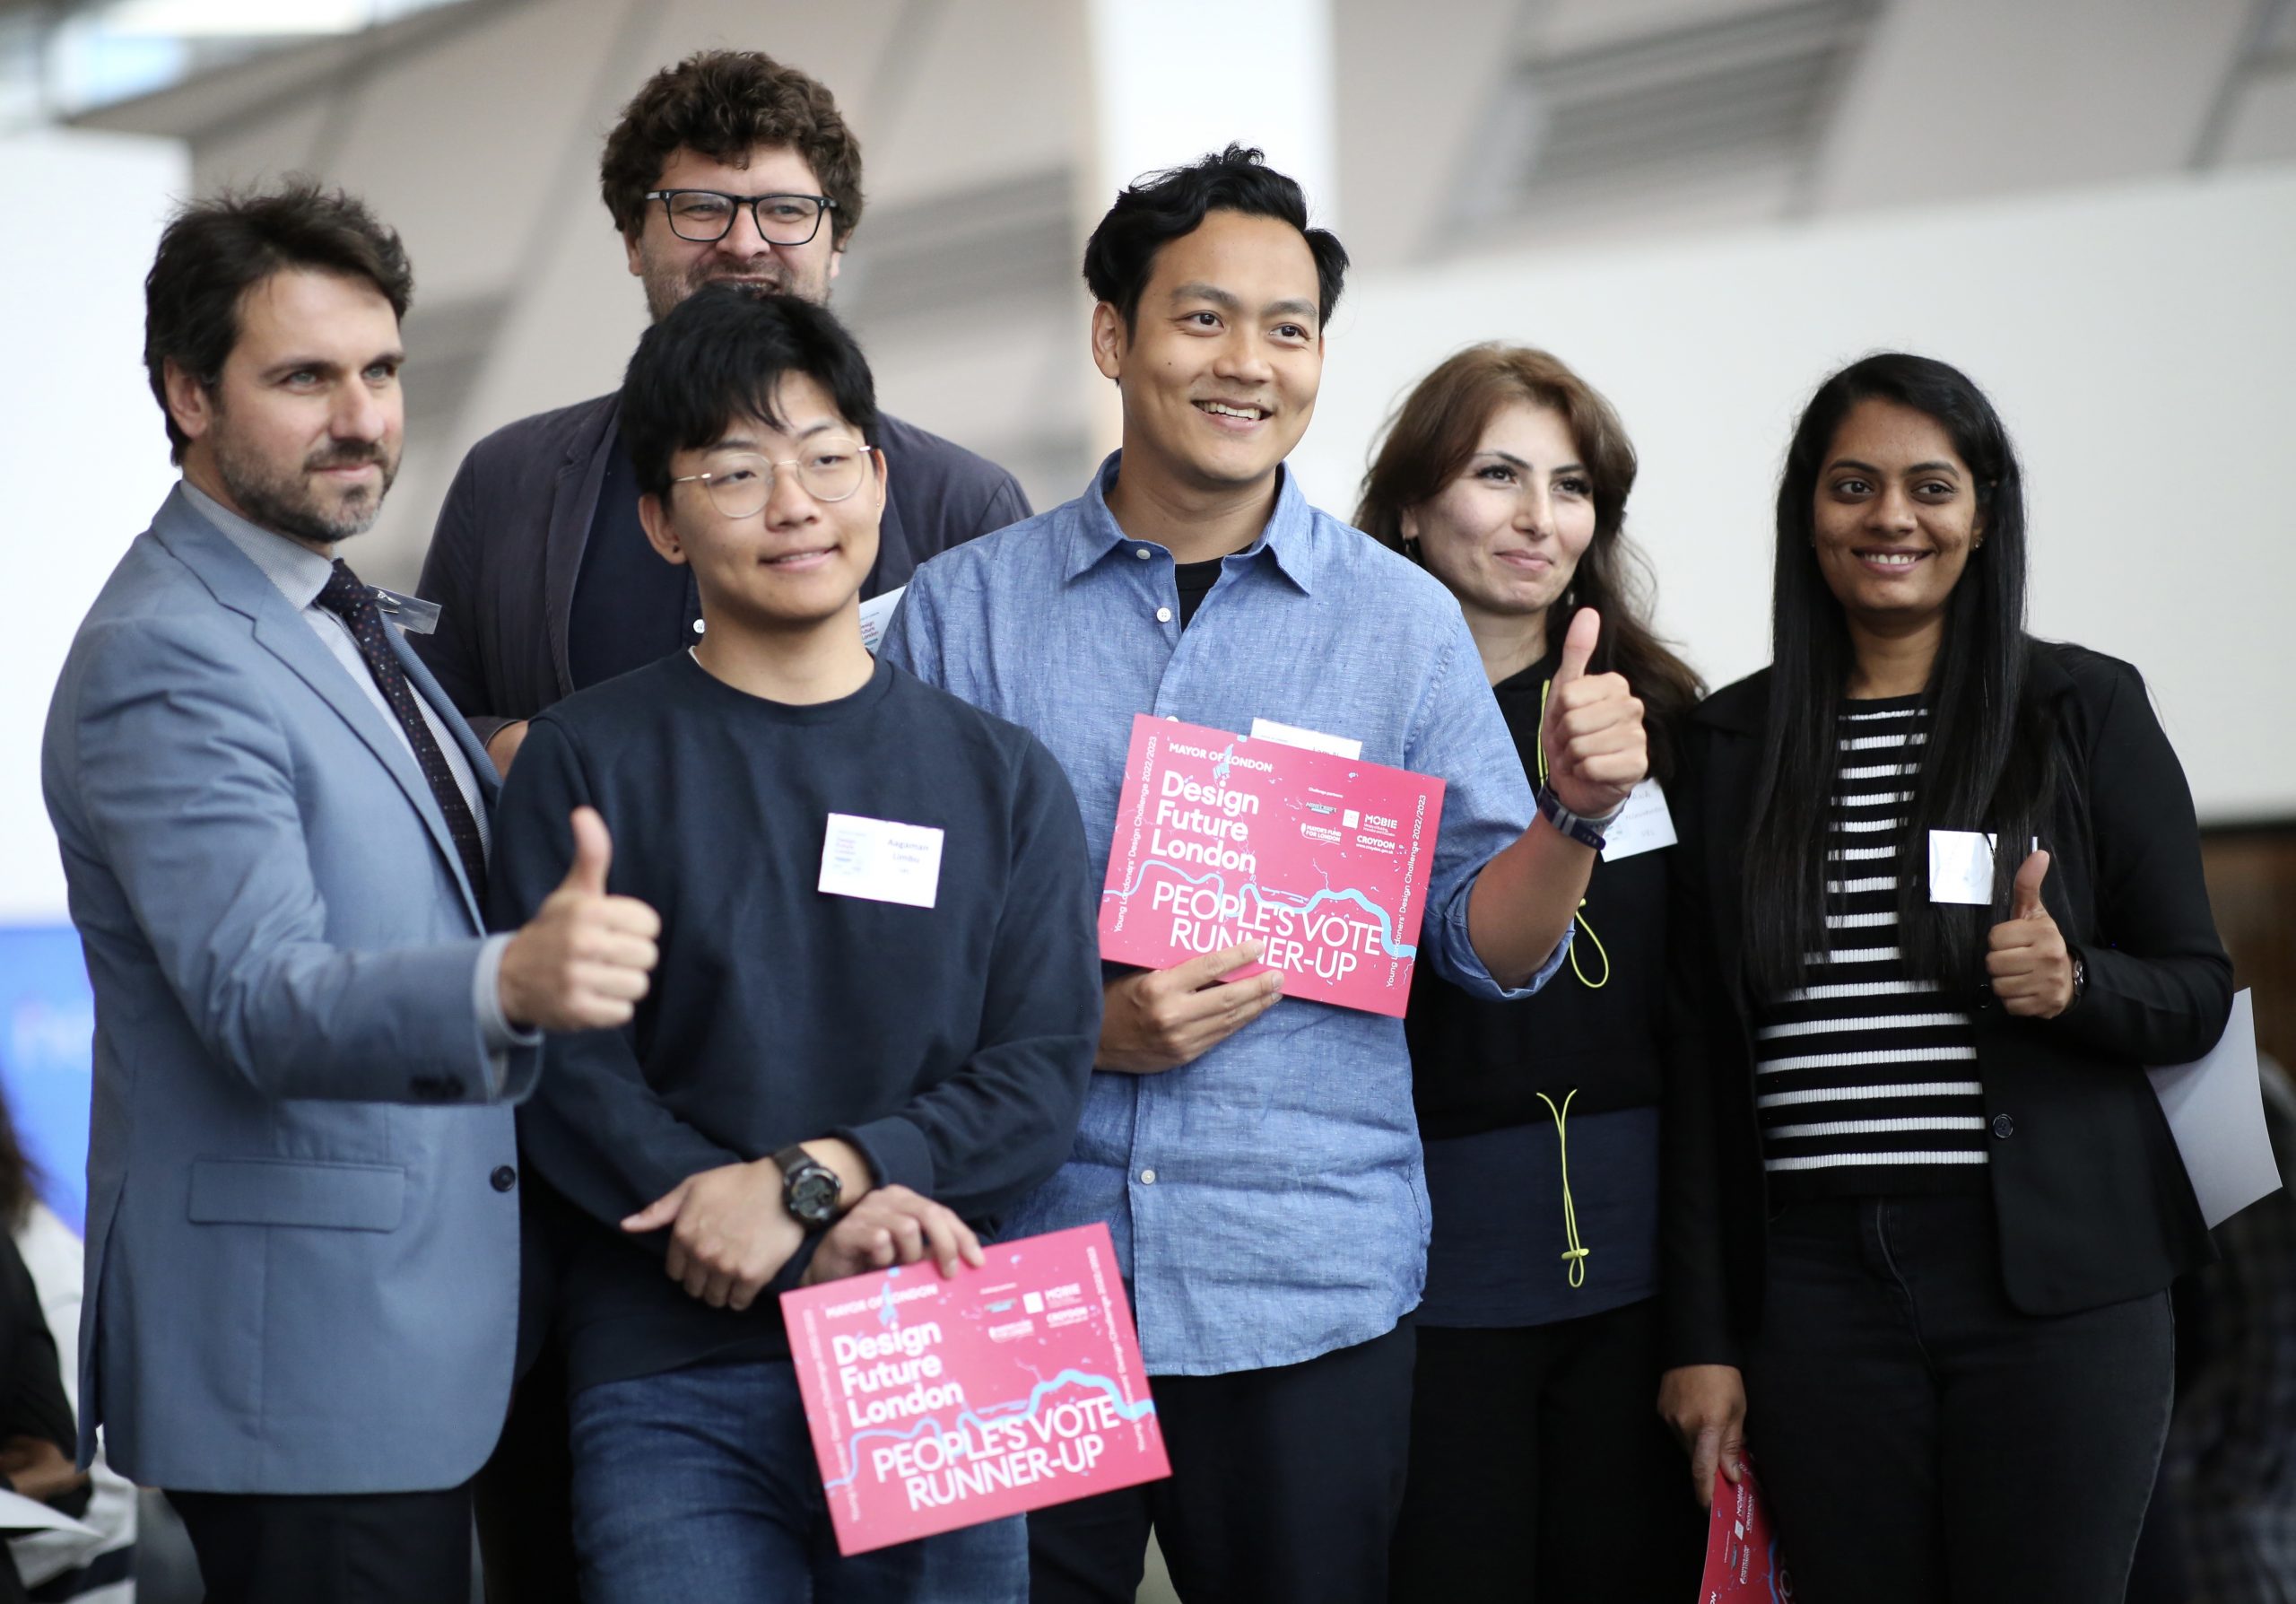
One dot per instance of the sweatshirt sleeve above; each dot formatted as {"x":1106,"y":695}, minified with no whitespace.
{"x":981,"y":1137}
{"x":595,"y":1130}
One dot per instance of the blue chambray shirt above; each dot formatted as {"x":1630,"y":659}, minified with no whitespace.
{"x":1266,"y":1200}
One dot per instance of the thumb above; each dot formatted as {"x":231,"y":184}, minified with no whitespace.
{"x":1578,"y":645}
{"x":593,"y":852}
{"x":2025,"y":890}
{"x":657,"y":1214}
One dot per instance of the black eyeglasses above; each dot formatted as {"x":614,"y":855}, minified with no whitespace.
{"x":706,"y":216}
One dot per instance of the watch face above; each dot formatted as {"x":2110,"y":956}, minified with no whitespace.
{"x":813,"y":1196}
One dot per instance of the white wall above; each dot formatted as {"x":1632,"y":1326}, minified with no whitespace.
{"x":2140,"y":342}
{"x":83,"y":450}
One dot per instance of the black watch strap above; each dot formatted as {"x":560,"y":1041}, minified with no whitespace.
{"x":809,"y":1188}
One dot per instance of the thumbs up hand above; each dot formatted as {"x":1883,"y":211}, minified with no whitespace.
{"x":2030,"y":966}
{"x":1592,"y":736}
{"x":581,"y":963}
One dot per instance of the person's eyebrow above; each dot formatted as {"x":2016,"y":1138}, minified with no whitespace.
{"x":1213,"y":294}
{"x":328,"y":365}
{"x":1294,"y":308}
{"x":733,"y":442}
{"x":1513,"y":461}
{"x":1867,"y":468}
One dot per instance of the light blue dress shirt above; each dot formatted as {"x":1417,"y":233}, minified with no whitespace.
{"x":1267,"y":1200}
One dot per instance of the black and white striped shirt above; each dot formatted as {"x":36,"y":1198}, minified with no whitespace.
{"x":1865,"y":1080}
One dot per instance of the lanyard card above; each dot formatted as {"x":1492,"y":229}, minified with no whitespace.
{"x":1643,"y":825}
{"x":1960,"y":867}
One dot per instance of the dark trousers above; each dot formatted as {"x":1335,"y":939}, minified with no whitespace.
{"x":524,"y":1493}
{"x":1284,"y":1486}
{"x":1540,"y":1470}
{"x":1921,"y":1440}
{"x":348,"y":1548}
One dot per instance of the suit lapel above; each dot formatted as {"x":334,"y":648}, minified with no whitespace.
{"x":242,"y":587}
{"x":573,"y":508}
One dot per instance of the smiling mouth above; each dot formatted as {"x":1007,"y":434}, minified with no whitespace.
{"x":797,"y":559}
{"x":1241,"y":412}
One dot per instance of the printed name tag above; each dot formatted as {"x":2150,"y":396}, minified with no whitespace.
{"x":881,"y":860}
{"x":875,"y":614}
{"x":1960,"y":867}
{"x":410,"y":612}
{"x":1312,"y":740}
{"x":1644,"y":825}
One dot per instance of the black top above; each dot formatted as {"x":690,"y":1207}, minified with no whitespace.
{"x":1478,"y":1064}
{"x":1195,"y":580}
{"x":1589,"y":1041}
{"x":2091,"y":1199}
{"x":31,"y":1388}
{"x":951,"y":1044}
{"x":1865,"y":1077}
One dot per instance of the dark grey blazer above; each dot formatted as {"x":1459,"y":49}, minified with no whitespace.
{"x":509,"y":546}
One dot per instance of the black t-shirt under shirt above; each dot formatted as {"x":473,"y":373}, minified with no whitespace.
{"x":1195,"y":580}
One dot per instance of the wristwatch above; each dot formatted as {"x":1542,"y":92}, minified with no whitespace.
{"x":2080,"y":978}
{"x":1585,"y":832}
{"x":809,"y":1188}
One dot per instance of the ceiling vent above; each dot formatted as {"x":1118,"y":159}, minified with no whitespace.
{"x":1747,"y":94}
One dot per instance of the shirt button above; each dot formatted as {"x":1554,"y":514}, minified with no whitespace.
{"x":504,"y":1178}
{"x":1163,"y":615}
{"x":697,"y":626}
{"x":2004,"y":1125}
{"x":1171,"y":717}
{"x":1140,"y":551}
{"x":1147,"y":1177}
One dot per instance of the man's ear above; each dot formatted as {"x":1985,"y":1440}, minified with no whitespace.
{"x":836,"y":261}
{"x":1109,"y":340}
{"x":190,"y":404}
{"x":630,"y":250}
{"x":660,"y":533}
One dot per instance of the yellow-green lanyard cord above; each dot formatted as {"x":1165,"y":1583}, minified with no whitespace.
{"x":1573,"y":1248}
{"x":1581,"y":914}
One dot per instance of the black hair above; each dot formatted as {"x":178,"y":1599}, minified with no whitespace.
{"x":1164,"y":207}
{"x":214,"y":251}
{"x":20,"y":1176}
{"x":1987,"y":762}
{"x":718,"y":356}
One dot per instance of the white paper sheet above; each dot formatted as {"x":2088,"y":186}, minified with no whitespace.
{"x":2215,"y":1108}
{"x":875,"y":614}
{"x":20,"y":1514}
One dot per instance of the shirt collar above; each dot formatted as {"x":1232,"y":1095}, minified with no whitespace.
{"x":299,"y":572}
{"x":1289,"y":538}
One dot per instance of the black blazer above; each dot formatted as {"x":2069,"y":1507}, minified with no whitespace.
{"x":509,"y":546}
{"x":2092,"y":1203}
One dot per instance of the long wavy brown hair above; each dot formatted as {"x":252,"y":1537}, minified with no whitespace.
{"x":1428,"y":441}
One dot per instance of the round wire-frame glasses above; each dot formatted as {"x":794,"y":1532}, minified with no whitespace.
{"x":830,"y":470}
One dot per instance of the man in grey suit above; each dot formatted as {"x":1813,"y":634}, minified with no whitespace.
{"x":302,"y":1213}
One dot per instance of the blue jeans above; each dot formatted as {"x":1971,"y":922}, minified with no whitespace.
{"x":701,"y":1484}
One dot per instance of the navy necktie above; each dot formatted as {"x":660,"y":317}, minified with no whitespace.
{"x":350,"y":601}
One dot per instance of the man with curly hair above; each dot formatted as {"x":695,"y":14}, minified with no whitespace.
{"x":728,"y":168}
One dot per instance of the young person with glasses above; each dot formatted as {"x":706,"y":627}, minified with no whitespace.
{"x":822,"y":1055}
{"x":1943,"y":904}
{"x":1539,"y":1470}
{"x":1254,"y":1155}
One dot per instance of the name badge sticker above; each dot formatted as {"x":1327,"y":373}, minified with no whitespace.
{"x":411,"y":614}
{"x":1312,"y":740}
{"x":1643,"y":825}
{"x":1960,"y":867}
{"x":881,"y":861}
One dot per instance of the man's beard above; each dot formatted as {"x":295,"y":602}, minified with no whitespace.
{"x":288,"y":503}
{"x":667,"y":287}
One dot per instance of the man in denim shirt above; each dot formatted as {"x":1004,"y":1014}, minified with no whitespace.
{"x":1256,"y":1158}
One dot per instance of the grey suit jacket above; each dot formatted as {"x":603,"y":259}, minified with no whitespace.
{"x":509,"y":546}
{"x":303,"y":1222}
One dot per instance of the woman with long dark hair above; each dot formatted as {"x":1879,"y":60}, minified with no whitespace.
{"x":1538,"y":1469}
{"x":1923,"y":1208}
